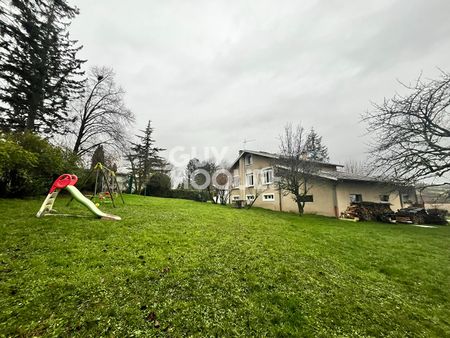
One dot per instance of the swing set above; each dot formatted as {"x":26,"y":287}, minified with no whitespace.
{"x":103,"y":177}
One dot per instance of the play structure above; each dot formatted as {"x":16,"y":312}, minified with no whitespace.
{"x":106,"y":185}
{"x":68,"y":182}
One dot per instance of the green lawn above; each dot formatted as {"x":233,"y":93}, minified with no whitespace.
{"x":180,"y":268}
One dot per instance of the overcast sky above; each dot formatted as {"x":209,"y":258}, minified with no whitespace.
{"x":213,"y":73}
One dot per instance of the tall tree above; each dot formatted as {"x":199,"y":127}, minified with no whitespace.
{"x":193,"y":165}
{"x":297,"y":165}
{"x":210,"y":177}
{"x":101,"y":116}
{"x":39,"y":69}
{"x":412,"y":132}
{"x":98,"y":156}
{"x":145,"y":158}
{"x":314,"y":149}
{"x":209,"y":167}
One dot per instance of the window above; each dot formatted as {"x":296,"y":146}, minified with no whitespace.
{"x":384,"y":198}
{"x":250,"y":198}
{"x":236,"y":182}
{"x":268,"y":197}
{"x":236,"y":198}
{"x":249,"y":180}
{"x":248,"y":159}
{"x":267,"y":176}
{"x":405,"y":198}
{"x":355,"y":198}
{"x":306,"y":198}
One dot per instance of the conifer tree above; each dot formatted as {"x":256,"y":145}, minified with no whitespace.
{"x":145,"y":158}
{"x":314,"y":149}
{"x":39,"y":69}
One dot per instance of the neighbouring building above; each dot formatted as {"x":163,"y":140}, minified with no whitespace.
{"x":435,"y":197}
{"x":332,"y":190}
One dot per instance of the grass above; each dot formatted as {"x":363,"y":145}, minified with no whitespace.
{"x":182,"y":268}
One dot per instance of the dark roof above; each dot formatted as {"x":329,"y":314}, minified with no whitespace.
{"x":344,"y":176}
{"x":272,"y":155}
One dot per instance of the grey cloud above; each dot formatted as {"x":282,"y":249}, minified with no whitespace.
{"x":213,"y":73}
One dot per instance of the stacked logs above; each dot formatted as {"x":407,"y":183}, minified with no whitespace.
{"x":369,"y":211}
{"x":422,"y":216}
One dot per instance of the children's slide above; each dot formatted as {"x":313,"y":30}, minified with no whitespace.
{"x":68,"y":182}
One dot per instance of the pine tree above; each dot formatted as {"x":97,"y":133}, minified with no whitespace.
{"x":39,"y":70}
{"x":145,"y":158}
{"x":314,"y":149}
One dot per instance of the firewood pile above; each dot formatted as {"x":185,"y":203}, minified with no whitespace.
{"x":373,"y":211}
{"x":417,"y":215}
{"x":437,"y":216}
{"x":369,"y":211}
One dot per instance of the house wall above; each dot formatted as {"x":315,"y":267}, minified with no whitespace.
{"x":370,"y":192}
{"x":330,"y":198}
{"x":258,"y":164}
{"x":444,"y":206}
{"x":323,"y":199}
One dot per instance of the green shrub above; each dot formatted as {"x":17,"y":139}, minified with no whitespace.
{"x":194,"y":195}
{"x":159,"y":185}
{"x":29,"y":164}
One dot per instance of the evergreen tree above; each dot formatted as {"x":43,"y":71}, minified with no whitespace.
{"x":314,"y":149}
{"x":145,"y":158}
{"x":39,"y":70}
{"x":98,"y":156}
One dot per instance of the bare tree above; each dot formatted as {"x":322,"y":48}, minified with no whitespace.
{"x":293,"y":167}
{"x":100,"y":113}
{"x":412,"y":132}
{"x":356,"y":167}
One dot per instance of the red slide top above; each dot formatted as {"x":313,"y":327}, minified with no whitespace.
{"x":63,"y":181}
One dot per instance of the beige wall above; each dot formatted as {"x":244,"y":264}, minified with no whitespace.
{"x":258,"y":163}
{"x":323,"y":199}
{"x":370,"y":192}
{"x":330,"y":198}
{"x":444,"y":206}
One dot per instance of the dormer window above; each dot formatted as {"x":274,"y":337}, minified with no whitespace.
{"x":248,"y":159}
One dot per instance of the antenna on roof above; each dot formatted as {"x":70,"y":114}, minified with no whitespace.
{"x":247,"y":141}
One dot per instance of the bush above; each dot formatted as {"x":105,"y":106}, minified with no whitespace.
{"x":30,"y":164}
{"x":159,"y":185}
{"x":194,"y":195}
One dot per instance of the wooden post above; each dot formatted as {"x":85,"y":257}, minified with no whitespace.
{"x":109,"y":188}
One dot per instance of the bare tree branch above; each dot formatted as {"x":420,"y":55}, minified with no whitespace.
{"x":297,"y":164}
{"x":412,"y":132}
{"x":101,"y":116}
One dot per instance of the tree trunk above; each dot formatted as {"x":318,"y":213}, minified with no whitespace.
{"x":77,"y":145}
{"x":300,"y":205}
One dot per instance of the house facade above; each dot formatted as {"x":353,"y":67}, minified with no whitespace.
{"x":331,"y":191}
